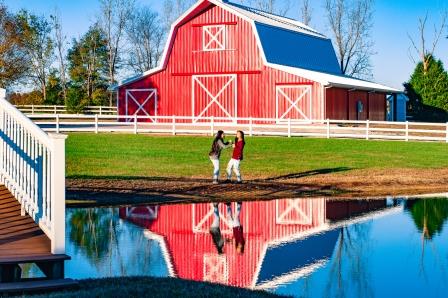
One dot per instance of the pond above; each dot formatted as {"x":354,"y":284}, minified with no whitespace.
{"x":296,"y":247}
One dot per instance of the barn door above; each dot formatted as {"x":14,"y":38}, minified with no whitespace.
{"x":293,"y":102}
{"x":214,"y":95}
{"x":141,"y":102}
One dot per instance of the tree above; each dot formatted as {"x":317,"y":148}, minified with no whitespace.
{"x":430,"y":86}
{"x":306,"y":12}
{"x":38,"y":44}
{"x":88,"y":66}
{"x":113,"y":19}
{"x":145,"y":39}
{"x":13,"y":58}
{"x":425,"y":52}
{"x":61,"y":47}
{"x":172,"y":9}
{"x":350,"y":22}
{"x":270,"y":6}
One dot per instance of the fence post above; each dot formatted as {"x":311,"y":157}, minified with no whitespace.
{"x":55,"y":109}
{"x":447,"y":132}
{"x":212,"y":126}
{"x":328,"y":128}
{"x":101,"y":110}
{"x":174,"y":125}
{"x":289,"y":127}
{"x":57,"y":123}
{"x":251,"y":126}
{"x":407,"y":131}
{"x":32,"y":109}
{"x":96,"y":123}
{"x":135,"y":124}
{"x":367,"y":129}
{"x":58,"y":193}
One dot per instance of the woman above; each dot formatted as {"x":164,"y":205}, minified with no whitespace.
{"x":215,"y":153}
{"x":237,"y":157}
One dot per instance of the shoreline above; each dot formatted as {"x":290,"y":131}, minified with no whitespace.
{"x":355,"y":184}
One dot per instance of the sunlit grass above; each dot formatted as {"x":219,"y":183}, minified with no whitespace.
{"x":120,"y":155}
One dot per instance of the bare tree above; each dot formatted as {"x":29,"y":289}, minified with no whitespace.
{"x":145,"y":37}
{"x":423,"y":50}
{"x":306,"y":11}
{"x":172,"y":9}
{"x":350,"y":22}
{"x":270,"y":6}
{"x":61,"y":46}
{"x":113,"y":19}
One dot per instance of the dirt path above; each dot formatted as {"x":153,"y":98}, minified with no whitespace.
{"x":357,"y":183}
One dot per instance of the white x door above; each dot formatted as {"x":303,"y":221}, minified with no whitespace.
{"x":141,"y":102}
{"x":214,"y":96}
{"x":293,"y":102}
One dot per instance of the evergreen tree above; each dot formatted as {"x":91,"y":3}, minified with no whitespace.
{"x":429,"y":88}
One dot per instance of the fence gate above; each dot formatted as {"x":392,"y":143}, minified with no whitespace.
{"x":141,"y":102}
{"x":214,"y":95}
{"x":293,"y":102}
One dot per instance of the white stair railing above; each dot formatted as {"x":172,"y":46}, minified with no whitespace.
{"x":32,"y":167}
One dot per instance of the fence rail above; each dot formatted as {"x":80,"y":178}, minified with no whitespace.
{"x":59,"y":109}
{"x":32,"y":167}
{"x":405,"y":131}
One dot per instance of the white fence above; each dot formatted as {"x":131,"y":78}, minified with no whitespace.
{"x":57,"y":109}
{"x":32,"y":167}
{"x":405,"y":131}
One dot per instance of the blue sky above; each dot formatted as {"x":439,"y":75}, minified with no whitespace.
{"x":393,"y":20}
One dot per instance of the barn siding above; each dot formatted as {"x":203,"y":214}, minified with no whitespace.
{"x":337,"y":104}
{"x":377,"y":104}
{"x":256,"y":83}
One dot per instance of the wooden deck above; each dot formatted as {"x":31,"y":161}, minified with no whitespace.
{"x":20,"y":236}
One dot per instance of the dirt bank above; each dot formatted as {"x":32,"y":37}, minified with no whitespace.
{"x":355,"y":183}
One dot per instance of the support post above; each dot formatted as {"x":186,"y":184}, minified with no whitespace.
{"x":251,"y":126}
{"x":289,"y":127}
{"x":447,"y":132}
{"x":174,"y":125}
{"x":212,"y":126}
{"x":328,"y":128}
{"x":407,"y":131}
{"x":96,"y":123}
{"x":58,"y":193}
{"x":135,"y":124}
{"x":367,"y":129}
{"x":57,"y":123}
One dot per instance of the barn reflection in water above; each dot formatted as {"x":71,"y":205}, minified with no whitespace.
{"x":284,"y":239}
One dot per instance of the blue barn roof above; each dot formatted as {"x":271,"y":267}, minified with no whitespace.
{"x":297,"y":49}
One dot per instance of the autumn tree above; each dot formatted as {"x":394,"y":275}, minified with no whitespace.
{"x":145,"y":37}
{"x":350,"y":22}
{"x":60,"y":41}
{"x":13,"y":57}
{"x":38,"y":45}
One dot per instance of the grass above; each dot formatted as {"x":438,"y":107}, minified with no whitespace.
{"x":128,"y":156}
{"x":150,"y":287}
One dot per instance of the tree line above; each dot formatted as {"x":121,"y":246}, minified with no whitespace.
{"x":127,"y":39}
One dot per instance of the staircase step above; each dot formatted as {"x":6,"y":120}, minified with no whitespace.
{"x":33,"y":259}
{"x":27,"y":286}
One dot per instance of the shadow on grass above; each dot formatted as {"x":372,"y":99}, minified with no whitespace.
{"x":125,"y":190}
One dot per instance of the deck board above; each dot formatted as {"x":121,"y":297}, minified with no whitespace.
{"x":19,"y":235}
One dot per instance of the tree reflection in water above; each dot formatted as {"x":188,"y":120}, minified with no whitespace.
{"x":100,"y":236}
{"x":429,"y":215}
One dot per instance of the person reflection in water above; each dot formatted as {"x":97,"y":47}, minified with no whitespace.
{"x":234,"y":221}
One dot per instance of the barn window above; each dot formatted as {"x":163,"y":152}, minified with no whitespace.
{"x":214,"y":38}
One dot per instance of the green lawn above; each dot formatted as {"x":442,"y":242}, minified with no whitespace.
{"x":122,"y":156}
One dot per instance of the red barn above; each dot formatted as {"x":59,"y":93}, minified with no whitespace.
{"x":227,"y":60}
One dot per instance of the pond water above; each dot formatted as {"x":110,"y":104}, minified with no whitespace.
{"x":300,"y":247}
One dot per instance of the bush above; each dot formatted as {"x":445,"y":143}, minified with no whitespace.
{"x":76,"y":100}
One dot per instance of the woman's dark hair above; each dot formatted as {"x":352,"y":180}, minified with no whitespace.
{"x":242,"y":136}
{"x":219,"y":135}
